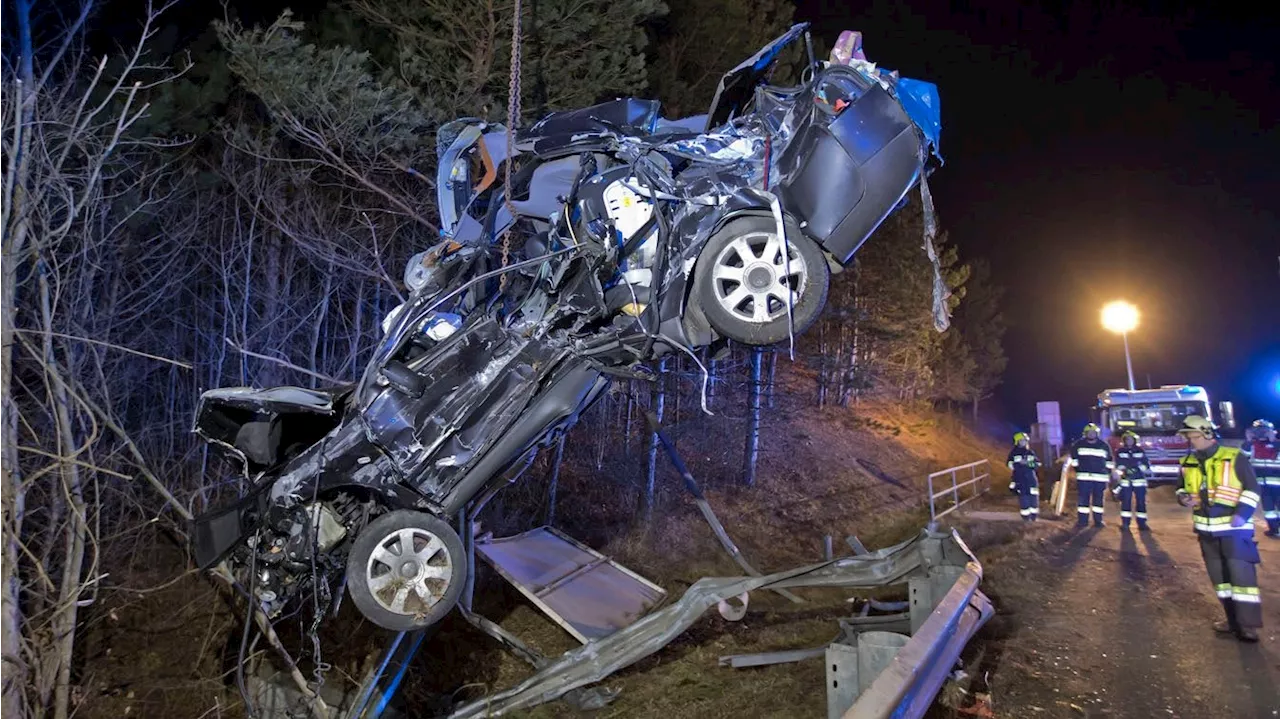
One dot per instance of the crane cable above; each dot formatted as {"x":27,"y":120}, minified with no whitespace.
{"x":513,"y":116}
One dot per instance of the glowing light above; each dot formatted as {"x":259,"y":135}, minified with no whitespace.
{"x":1119,"y":317}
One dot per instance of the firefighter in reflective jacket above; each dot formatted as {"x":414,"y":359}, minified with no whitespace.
{"x":1024,"y":462}
{"x":1093,"y":462}
{"x":1264,"y":457}
{"x":1132,"y":467}
{"x":1219,"y":482}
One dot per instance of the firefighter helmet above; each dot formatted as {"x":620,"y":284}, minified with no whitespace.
{"x":1194,"y":423}
{"x":1129,"y":434}
{"x":1265,"y":425}
{"x":1091,"y":427}
{"x":1020,"y":437}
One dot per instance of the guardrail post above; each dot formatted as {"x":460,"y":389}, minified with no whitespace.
{"x":933,"y":512}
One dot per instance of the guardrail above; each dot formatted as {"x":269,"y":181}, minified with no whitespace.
{"x":906,"y":688}
{"x":954,"y":474}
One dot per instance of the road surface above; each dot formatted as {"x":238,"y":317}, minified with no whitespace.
{"x":1102,"y":623}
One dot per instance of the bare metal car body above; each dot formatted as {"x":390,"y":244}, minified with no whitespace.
{"x":639,"y":236}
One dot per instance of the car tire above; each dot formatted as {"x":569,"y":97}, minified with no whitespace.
{"x":741,"y":274}
{"x":405,"y":593}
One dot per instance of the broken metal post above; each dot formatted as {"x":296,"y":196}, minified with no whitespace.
{"x":828,"y":551}
{"x":700,"y":499}
{"x":370,"y":683}
{"x":856,"y":545}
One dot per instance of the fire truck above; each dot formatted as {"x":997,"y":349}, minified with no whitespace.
{"x":1155,"y":416}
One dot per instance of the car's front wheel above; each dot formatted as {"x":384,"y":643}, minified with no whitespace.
{"x":746,"y":274}
{"x":406,"y":570}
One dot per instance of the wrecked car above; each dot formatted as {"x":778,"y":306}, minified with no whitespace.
{"x":625,"y":237}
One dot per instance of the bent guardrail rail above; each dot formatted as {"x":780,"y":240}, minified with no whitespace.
{"x":906,"y":688}
{"x":977,"y":471}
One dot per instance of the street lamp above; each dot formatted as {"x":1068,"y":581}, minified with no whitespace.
{"x":1121,"y":317}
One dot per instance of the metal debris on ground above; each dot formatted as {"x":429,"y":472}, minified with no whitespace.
{"x":598,"y":659}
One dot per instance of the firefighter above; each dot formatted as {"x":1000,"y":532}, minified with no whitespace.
{"x":1133,"y":469}
{"x":1093,"y":462}
{"x":1023,"y":462}
{"x":1264,"y":456}
{"x":1219,"y":483}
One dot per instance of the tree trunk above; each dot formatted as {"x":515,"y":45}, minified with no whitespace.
{"x":710,"y":364}
{"x":822,"y":364}
{"x":319,"y":323}
{"x":753,"y":421}
{"x":76,"y":528}
{"x":657,"y":400}
{"x":626,"y":432}
{"x":601,"y":433}
{"x":675,"y":397}
{"x":13,"y":247}
{"x":773,"y":374}
{"x":555,"y":481}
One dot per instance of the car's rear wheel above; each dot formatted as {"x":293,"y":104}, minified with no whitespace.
{"x":746,"y":274}
{"x":406,"y":570}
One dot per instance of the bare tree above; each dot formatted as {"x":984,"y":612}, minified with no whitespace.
{"x":75,"y":176}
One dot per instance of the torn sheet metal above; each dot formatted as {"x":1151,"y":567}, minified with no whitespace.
{"x":598,"y":659}
{"x":588,"y":594}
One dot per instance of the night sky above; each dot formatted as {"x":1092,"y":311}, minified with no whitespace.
{"x":1095,"y":154}
{"x":1091,"y":155}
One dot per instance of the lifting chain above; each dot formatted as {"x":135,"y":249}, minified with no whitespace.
{"x":513,"y":116}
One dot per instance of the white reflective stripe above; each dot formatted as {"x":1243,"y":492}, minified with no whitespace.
{"x":1126,"y":515}
{"x":1224,"y":528}
{"x":1247,"y":598}
{"x":1224,"y":593}
{"x":1082,"y":510}
{"x":1091,"y":477}
{"x":1093,"y":452}
{"x":1250,"y":498}
{"x":1024,"y":512}
{"x":1097,"y":510}
{"x":1035,"y":491}
{"x":1075,"y":462}
{"x":1141,"y":515}
{"x":1272,"y":514}
{"x":1271,"y":481}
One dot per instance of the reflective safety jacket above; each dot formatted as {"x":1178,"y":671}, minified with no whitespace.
{"x":1225,"y":484}
{"x":1135,"y":464}
{"x":1023,"y":462}
{"x":1264,"y":457}
{"x":1092,"y":460}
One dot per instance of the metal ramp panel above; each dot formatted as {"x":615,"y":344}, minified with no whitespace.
{"x":587,"y":593}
